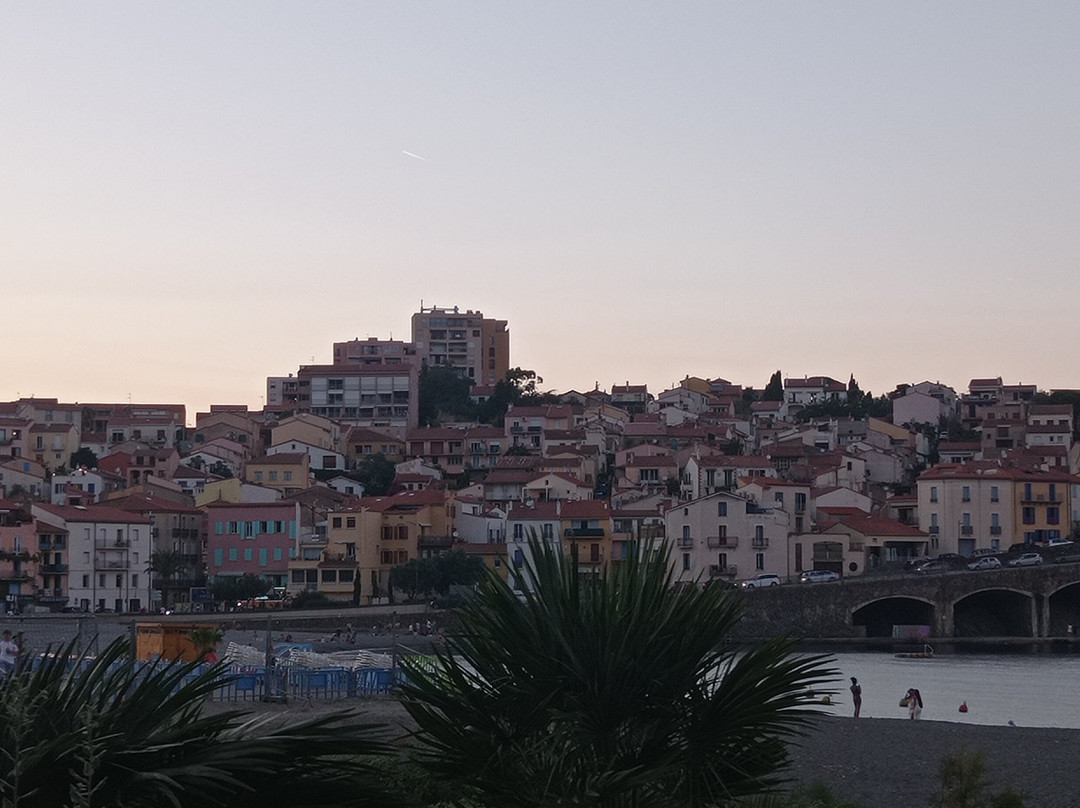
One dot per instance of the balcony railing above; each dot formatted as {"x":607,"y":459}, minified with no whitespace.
{"x":112,"y":544}
{"x":995,"y":530}
{"x":52,"y":569}
{"x":435,"y":541}
{"x":110,"y":564}
{"x":714,"y":542}
{"x":966,"y":530}
{"x":685,"y":541}
{"x":759,"y":544}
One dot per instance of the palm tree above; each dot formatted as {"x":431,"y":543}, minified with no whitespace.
{"x":169,"y":565}
{"x":615,"y":690}
{"x":114,"y":731}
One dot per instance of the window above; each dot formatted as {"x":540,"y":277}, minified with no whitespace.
{"x":258,"y":476}
{"x":721,"y":508}
{"x":232,"y":554}
{"x":329,"y":576}
{"x":336,"y":521}
{"x":800,"y":502}
{"x":1053,"y":515}
{"x":101,"y":580}
{"x":218,"y":557}
{"x":686,"y":562}
{"x":519,"y":531}
{"x":1027,"y":491}
{"x":134,"y":580}
{"x":778,"y":498}
{"x":262,"y":556}
{"x":345,"y":576}
{"x":993,"y":493}
{"x":86,"y":581}
{"x":759,"y":561}
{"x":272,"y":476}
{"x":547,"y":531}
{"x":1029,"y":515}
{"x":287,"y":476}
{"x":248,"y":554}
{"x":277,"y":554}
{"x":933,"y":493}
{"x":965,"y":494}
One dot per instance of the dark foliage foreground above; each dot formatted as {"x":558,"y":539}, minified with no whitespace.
{"x":614,"y":689}
{"x":115,"y":732}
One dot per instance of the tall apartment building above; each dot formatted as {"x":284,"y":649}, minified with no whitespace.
{"x":476,"y":346}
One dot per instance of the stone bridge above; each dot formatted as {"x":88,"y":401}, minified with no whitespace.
{"x":1011,"y":602}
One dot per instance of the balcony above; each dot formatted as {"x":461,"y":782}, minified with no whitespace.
{"x":53,"y":569}
{"x":685,"y":541}
{"x":717,"y":542}
{"x":110,"y":564}
{"x":51,"y":596}
{"x":967,"y":530}
{"x":435,"y":541}
{"x":112,"y":544}
{"x":583,"y":533}
{"x":933,"y":530}
{"x":995,"y":530}
{"x":184,"y":533}
{"x":759,"y":544}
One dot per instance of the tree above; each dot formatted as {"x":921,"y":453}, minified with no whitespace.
{"x":83,"y":457}
{"x":242,"y":587}
{"x":774,"y":390}
{"x":610,"y":690}
{"x":220,"y":469}
{"x":205,"y":639}
{"x":375,"y":472}
{"x":443,"y":392}
{"x":517,"y":388}
{"x":854,"y":395}
{"x":111,"y":730}
{"x":427,"y":576}
{"x":169,"y":565}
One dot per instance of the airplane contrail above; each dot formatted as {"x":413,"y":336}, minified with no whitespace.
{"x":417,"y":156}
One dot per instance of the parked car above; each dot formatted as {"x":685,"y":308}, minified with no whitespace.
{"x":985,"y":563}
{"x":1026,"y":560}
{"x":932,"y":566}
{"x":762,"y":579}
{"x":984,"y":551}
{"x":1058,"y":542}
{"x":1068,"y":557}
{"x":818,"y":576}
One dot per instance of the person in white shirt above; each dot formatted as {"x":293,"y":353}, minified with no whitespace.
{"x":9,"y":652}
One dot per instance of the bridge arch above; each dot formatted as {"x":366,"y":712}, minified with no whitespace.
{"x":996,"y":612}
{"x":1063,"y":609}
{"x":879,"y":615}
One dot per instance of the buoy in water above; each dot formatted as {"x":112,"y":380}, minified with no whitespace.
{"x":826,"y":700}
{"x":963,"y":707}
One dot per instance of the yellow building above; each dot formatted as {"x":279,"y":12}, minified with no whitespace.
{"x":286,"y":472}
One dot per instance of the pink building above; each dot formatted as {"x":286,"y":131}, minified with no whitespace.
{"x":257,"y":538}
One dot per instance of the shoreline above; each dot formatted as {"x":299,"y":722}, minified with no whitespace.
{"x":893,"y":762}
{"x":872,"y":762}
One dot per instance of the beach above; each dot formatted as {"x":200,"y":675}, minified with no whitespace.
{"x":873,"y":762}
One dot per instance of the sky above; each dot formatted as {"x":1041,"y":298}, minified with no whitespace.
{"x":195,"y":196}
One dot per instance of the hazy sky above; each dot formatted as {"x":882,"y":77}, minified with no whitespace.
{"x":194,"y":196}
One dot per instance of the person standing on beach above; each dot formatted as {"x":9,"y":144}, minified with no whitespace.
{"x":856,"y":695}
{"x":914,"y":698}
{"x":9,"y":653}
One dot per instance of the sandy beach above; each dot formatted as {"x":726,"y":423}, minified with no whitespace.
{"x":873,"y":762}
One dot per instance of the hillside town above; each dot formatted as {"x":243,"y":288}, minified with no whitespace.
{"x":357,"y":466}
